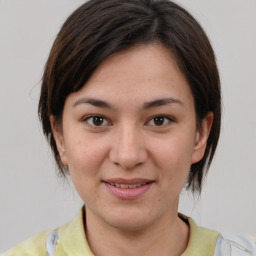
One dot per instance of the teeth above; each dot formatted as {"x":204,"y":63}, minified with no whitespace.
{"x":117,"y":185}
{"x":126,"y":185}
{"x":134,"y":185}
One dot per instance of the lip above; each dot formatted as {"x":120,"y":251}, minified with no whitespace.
{"x":128,"y":181}
{"x":128,"y":193}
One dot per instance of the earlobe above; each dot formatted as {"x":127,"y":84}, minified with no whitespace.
{"x":201,"y":138}
{"x":59,"y":140}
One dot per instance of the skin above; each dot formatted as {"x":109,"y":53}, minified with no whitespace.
{"x":128,"y":142}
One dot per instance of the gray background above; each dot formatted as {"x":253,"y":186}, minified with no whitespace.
{"x":33,"y":198}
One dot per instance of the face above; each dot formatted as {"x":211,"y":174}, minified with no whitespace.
{"x":129,"y":137}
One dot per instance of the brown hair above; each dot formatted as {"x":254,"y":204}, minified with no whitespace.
{"x":101,"y":28}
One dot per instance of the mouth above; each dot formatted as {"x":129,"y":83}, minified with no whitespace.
{"x":118,"y":185}
{"x":128,"y":189}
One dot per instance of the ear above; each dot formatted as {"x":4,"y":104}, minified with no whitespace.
{"x":59,"y":139}
{"x":202,"y":135}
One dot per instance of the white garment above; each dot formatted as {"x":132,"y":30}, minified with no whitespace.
{"x":234,"y":246}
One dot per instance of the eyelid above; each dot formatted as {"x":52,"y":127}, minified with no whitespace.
{"x":107,"y":122}
{"x":88,"y":117}
{"x":169,"y":118}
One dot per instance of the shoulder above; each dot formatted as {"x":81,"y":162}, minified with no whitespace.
{"x":68,"y":239}
{"x":205,"y":242}
{"x":33,"y":246}
{"x":235,"y":245}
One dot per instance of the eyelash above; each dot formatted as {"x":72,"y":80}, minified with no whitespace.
{"x":91,"y":117}
{"x":167,"y":120}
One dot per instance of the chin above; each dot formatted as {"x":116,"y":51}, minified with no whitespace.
{"x":130,"y":220}
{"x":129,"y":225}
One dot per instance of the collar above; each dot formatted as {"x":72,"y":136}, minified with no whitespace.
{"x":72,"y":239}
{"x":202,"y":241}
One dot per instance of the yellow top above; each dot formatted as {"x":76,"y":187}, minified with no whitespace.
{"x":72,"y":241}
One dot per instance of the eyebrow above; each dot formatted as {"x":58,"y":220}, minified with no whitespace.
{"x":94,"y":102}
{"x":145,"y":106}
{"x":160,"y":102}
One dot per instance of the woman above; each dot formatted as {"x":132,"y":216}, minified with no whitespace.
{"x":130,"y":103}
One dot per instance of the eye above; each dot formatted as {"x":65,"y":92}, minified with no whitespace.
{"x":159,"y":121}
{"x":96,"y":121}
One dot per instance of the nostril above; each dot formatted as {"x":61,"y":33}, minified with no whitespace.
{"x":127,"y":161}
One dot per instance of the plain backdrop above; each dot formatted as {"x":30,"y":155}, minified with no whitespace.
{"x":33,"y":198}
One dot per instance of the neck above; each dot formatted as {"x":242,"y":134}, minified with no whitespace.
{"x":166,"y":236}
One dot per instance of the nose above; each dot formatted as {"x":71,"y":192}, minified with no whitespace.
{"x":128,"y":149}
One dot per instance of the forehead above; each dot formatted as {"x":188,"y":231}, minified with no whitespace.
{"x":140,"y":62}
{"x":141,"y":73}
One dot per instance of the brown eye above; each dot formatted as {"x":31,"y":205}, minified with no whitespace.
{"x":96,"y":121}
{"x":159,"y":121}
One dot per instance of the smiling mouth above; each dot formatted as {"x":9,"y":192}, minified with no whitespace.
{"x":128,"y":189}
{"x":118,"y":185}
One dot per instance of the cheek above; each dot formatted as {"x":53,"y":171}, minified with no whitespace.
{"x":176,"y":150}
{"x":85,"y":160}
{"x":86,"y":155}
{"x":173,"y":158}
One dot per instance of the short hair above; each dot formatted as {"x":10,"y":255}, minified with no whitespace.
{"x":100,"y":28}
